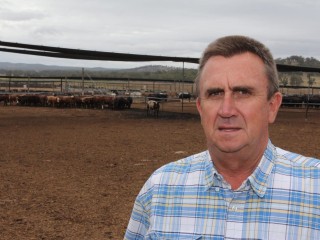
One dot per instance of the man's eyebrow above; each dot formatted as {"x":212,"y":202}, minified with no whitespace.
{"x":242,"y":88}
{"x":214,"y":90}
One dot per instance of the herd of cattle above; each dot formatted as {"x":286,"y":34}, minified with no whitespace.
{"x":298,"y":101}
{"x":79,"y":101}
{"x":122,"y":102}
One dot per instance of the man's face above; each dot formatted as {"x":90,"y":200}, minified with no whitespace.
{"x":233,"y":105}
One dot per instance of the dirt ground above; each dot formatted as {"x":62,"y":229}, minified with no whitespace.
{"x":74,"y":173}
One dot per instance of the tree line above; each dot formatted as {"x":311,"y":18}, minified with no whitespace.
{"x":296,"y":78}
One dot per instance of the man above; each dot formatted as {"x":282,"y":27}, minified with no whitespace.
{"x":243,"y":187}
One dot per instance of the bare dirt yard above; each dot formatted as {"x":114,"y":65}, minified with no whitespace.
{"x":74,"y":173}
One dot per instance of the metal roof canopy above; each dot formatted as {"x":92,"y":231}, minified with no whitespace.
{"x":70,"y":53}
{"x":87,"y":54}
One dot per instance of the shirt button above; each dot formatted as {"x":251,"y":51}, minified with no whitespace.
{"x":234,"y":208}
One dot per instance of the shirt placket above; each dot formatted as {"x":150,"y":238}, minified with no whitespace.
{"x":235,"y":203}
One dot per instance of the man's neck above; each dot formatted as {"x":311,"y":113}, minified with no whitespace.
{"x":236,"y":168}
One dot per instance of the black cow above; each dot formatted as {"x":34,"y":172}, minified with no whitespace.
{"x":314,"y":101}
{"x":292,"y":101}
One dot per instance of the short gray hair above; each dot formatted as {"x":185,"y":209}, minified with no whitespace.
{"x":232,"y":45}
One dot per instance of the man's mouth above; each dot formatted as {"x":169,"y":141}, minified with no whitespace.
{"x":229,"y":129}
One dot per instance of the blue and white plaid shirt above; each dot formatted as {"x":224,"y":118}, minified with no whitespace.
{"x":189,"y":199}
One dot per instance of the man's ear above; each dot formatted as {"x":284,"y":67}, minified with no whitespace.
{"x":274,"y":105}
{"x":198,"y":101}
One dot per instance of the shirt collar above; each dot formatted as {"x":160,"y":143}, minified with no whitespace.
{"x":258,"y":179}
{"x":209,"y":171}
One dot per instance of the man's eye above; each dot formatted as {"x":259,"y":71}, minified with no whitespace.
{"x":215,"y":93}
{"x":242,"y":93}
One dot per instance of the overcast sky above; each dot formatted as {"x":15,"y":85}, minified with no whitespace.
{"x":181,"y":28}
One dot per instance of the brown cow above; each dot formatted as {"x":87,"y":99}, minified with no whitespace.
{"x":52,"y":101}
{"x":12,"y":99}
{"x":4,"y":98}
{"x":66,"y":101}
{"x":102,"y":101}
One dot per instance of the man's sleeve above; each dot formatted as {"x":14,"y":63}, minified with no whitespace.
{"x":139,"y":222}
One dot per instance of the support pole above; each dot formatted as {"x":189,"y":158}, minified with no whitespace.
{"x":182,"y":99}
{"x":82,"y":81}
{"x":28,"y":86}
{"x":9,"y":89}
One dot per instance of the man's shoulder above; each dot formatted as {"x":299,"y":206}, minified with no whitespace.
{"x":191,"y":170}
{"x":191,"y":163}
{"x":297,"y":160}
{"x":296,"y":173}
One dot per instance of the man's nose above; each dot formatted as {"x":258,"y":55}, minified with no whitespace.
{"x":227,"y":106}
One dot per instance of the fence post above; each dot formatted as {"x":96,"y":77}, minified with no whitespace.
{"x":9,"y":90}
{"x":182,"y":87}
{"x":82,"y":81}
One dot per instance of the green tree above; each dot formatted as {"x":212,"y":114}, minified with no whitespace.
{"x":299,"y":61}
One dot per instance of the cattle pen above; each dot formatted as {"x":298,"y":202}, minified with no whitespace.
{"x":138,"y":90}
{"x":79,"y":84}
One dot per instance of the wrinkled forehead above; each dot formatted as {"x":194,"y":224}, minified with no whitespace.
{"x":240,"y":70}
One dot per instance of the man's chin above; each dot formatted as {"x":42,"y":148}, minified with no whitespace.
{"x":228,"y":147}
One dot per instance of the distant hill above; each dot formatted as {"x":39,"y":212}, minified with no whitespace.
{"x":144,"y":72}
{"x":153,"y":68}
{"x":42,"y":67}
